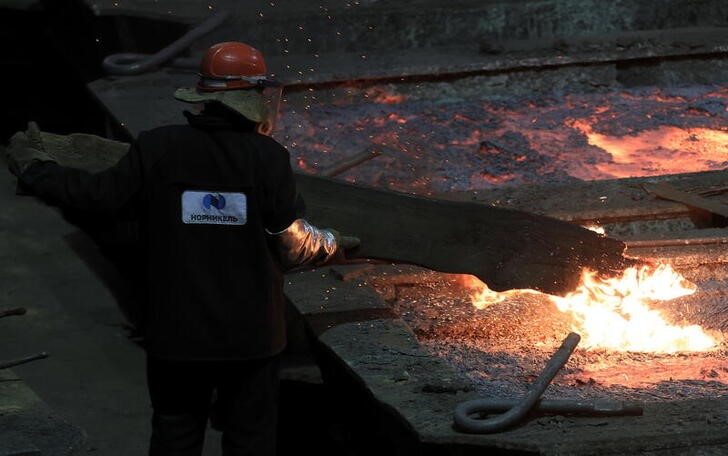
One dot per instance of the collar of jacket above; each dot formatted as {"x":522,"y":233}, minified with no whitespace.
{"x":218,"y":120}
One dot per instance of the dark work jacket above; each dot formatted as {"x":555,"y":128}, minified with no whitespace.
{"x":215,"y":290}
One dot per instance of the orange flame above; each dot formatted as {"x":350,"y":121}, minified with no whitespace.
{"x":596,"y":228}
{"x":614,"y":313}
{"x":487,"y":297}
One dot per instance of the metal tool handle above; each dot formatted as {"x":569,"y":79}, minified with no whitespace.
{"x":11,"y":312}
{"x":465,"y":423}
{"x":17,"y":362}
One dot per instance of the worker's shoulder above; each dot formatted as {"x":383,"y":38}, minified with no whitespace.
{"x":167,"y":131}
{"x":268,"y":148}
{"x":265,"y":142}
{"x":164,"y":137}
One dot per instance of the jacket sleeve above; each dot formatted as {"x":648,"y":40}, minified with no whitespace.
{"x":105,"y":192}
{"x":295,"y":241}
{"x":280,"y":205}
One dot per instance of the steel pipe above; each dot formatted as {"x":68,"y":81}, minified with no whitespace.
{"x":128,"y":63}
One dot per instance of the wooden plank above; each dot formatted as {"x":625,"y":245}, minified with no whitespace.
{"x":505,"y":248}
{"x":668,"y":192}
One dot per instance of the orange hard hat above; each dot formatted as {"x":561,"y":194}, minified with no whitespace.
{"x":231,"y":65}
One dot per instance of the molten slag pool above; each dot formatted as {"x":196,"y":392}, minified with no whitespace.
{"x":440,"y":144}
{"x":646,"y":335}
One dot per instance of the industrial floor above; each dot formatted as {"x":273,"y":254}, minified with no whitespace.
{"x":94,"y":377}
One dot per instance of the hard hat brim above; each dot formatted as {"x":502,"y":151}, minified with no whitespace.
{"x":248,"y":102}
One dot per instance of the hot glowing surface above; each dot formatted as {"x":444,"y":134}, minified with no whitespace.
{"x":616,"y":313}
{"x":450,"y":144}
{"x":658,"y":151}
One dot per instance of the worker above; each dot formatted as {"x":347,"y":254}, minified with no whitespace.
{"x":219,"y":210}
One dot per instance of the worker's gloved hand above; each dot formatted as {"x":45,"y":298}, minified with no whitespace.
{"x":24,"y":148}
{"x":304,"y":244}
{"x":335,"y":250}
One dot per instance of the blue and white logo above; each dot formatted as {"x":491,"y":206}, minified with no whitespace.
{"x":214,"y":208}
{"x":213,"y":200}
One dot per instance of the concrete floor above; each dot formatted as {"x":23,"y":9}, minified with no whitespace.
{"x":95,"y":377}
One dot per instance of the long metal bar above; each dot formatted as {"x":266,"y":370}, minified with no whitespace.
{"x":666,"y":191}
{"x":12,"y":312}
{"x":17,"y":362}
{"x":345,"y":165}
{"x":676,"y":242}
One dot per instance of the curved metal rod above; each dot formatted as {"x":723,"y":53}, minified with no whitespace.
{"x":465,"y":423}
{"x":128,"y":63}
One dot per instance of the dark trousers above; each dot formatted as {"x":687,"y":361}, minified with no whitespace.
{"x":241,"y":398}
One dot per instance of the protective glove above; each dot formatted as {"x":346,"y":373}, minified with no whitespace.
{"x":25,"y":148}
{"x":303,"y":243}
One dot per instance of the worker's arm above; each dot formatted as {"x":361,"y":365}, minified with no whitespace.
{"x":26,"y":149}
{"x":104,"y":192}
{"x":302,"y":243}
{"x":295,"y":240}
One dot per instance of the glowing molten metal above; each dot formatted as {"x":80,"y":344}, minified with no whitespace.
{"x":440,"y":143}
{"x":614,"y":313}
{"x":664,"y":150}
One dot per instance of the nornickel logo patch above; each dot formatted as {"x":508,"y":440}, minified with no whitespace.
{"x":214,"y":208}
